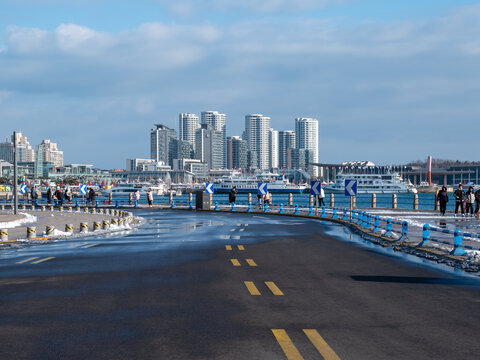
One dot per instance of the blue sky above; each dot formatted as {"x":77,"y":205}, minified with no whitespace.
{"x":389,"y":81}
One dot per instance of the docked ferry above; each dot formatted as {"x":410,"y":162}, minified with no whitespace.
{"x":275,"y":184}
{"x":127,"y":189}
{"x":390,"y":183}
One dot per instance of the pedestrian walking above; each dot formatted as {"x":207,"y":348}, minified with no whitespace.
{"x":137,"y":196}
{"x":268,"y":198}
{"x":260,"y":200}
{"x":150,"y":197}
{"x":49,"y":195}
{"x":91,"y":196}
{"x":33,"y":194}
{"x":232,"y":196}
{"x":442,"y":199}
{"x":477,"y":201}
{"x":320,"y":198}
{"x":470,"y":199}
{"x":59,"y":196}
{"x":459,"y":196}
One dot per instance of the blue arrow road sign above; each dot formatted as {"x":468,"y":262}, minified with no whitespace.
{"x":209,"y":188}
{"x":83,"y":189}
{"x":23,"y":189}
{"x":262,"y":189}
{"x":350,"y":187}
{"x":315,"y":187}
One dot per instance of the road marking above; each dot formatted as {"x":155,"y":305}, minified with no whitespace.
{"x":251,"y":262}
{"x":273,"y":288}
{"x":27,"y":260}
{"x":286,"y":344}
{"x":252,"y":288}
{"x":320,"y":344}
{"x":235,"y":262}
{"x":241,"y":247}
{"x":231,"y":230}
{"x":241,"y":230}
{"x":228,"y":247}
{"x":75,"y":246}
{"x":89,"y":246}
{"x":42,"y":260}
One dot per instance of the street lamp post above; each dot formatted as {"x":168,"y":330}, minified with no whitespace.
{"x":15,"y":174}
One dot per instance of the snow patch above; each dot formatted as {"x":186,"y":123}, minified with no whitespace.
{"x":16,"y":223}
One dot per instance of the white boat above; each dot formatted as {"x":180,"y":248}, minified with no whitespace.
{"x":249,"y":184}
{"x":127,"y":189}
{"x":390,"y":183}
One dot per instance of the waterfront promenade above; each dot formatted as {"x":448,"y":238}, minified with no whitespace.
{"x":216,"y":285}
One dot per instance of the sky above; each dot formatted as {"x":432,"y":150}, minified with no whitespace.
{"x":389,"y":81}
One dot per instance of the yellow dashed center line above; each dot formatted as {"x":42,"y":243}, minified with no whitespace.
{"x":78,"y":245}
{"x":89,"y":246}
{"x":241,"y":247}
{"x":252,"y":288}
{"x":235,"y":262}
{"x":241,"y":230}
{"x":251,"y":262}
{"x":273,"y":288}
{"x":320,"y":344}
{"x":43,"y":260}
{"x":287,"y":345}
{"x":27,"y":260}
{"x":228,"y":247}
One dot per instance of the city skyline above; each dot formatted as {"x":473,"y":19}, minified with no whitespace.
{"x":387,"y":81}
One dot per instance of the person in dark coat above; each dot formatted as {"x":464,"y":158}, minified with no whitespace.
{"x":49,"y":195}
{"x":442,"y":198}
{"x":33,"y":194}
{"x":91,"y":195}
{"x":477,"y":201}
{"x":233,"y":195}
{"x":459,"y":196}
{"x":59,"y":196}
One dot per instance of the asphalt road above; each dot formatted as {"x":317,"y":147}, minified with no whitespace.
{"x":231,"y":286}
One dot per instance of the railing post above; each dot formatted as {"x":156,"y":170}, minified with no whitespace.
{"x":457,"y":243}
{"x":249,"y":206}
{"x":265,"y":207}
{"x":281,"y":209}
{"x":173,"y":205}
{"x":389,"y":228}
{"x":216,"y":205}
{"x":437,"y":205}
{"x":116,"y":203}
{"x":290,"y":199}
{"x":377,"y":224}
{"x":310,"y":210}
{"x":426,"y":235}
{"x":332,"y":200}
{"x":323,"y":212}
{"x":415,"y":201}
{"x":404,"y":231}
{"x":249,"y":196}
{"x":345,"y":216}
{"x":374,"y":201}
{"x":296,"y":210}
{"x":190,"y":207}
{"x":310,"y":200}
{"x":394,"y":201}
{"x":190,"y":197}
{"x":334,"y":216}
{"x":369,"y":221}
{"x":354,"y":215}
{"x":233,"y":206}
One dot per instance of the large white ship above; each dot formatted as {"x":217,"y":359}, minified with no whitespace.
{"x":249,"y":184}
{"x":390,"y":183}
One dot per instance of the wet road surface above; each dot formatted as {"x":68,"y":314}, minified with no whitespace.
{"x":231,"y":286}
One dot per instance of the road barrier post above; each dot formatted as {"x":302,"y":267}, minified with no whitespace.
{"x":96,"y":226}
{"x":249,"y":196}
{"x":281,"y":209}
{"x":296,"y":212}
{"x":310,"y":211}
{"x":116,"y":203}
{"x":389,"y":228}
{"x":249,"y":206}
{"x":332,"y":200}
{"x":83,"y":227}
{"x":345,"y":214}
{"x":190,"y":207}
{"x":334,"y":216}
{"x":69,"y":228}
{"x":310,"y":200}
{"x":265,"y":207}
{"x":31,"y":232}
{"x":394,"y":201}
{"x":377,"y":225}
{"x":457,"y":243}
{"x":374,"y":201}
{"x":324,"y":214}
{"x":105,"y":224}
{"x":354,"y":215}
{"x":96,"y":203}
{"x":4,"y":234}
{"x":49,"y":230}
{"x":290,"y":199}
{"x":172,"y":206}
{"x":426,"y":235}
{"x":233,"y":206}
{"x":216,"y":206}
{"x":415,"y":201}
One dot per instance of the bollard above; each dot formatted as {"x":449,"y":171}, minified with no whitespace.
{"x":334,"y":216}
{"x":135,"y":203}
{"x":105,"y":224}
{"x":359,"y":217}
{"x":310,"y":200}
{"x":353,"y":202}
{"x":216,"y":206}
{"x":249,"y":206}
{"x":265,"y":207}
{"x":437,"y":206}
{"x":345,"y":216}
{"x":32,"y":207}
{"x":332,"y":200}
{"x":70,"y":209}
{"x":415,"y":201}
{"x":377,"y":228}
{"x":94,"y":210}
{"x":249,"y":196}
{"x":49,"y":230}
{"x":116,"y":203}
{"x":296,"y":212}
{"x":354,"y":215}
{"x":100,"y":211}
{"x":85,"y":209}
{"x":426,"y":235}
{"x":324,"y":214}
{"x":310,"y":209}
{"x":190,"y":207}
{"x":394,"y":201}
{"x":77,"y":204}
{"x":31,"y":232}
{"x":457,"y":243}
{"x":290,"y":199}
{"x":69,"y":228}
{"x":374,"y":201}
{"x":190,"y":197}
{"x":389,"y":228}
{"x":96,"y":226}
{"x":114,"y":222}
{"x":60,"y":208}
{"x":83,"y":227}
{"x":2,"y":207}
{"x":404,"y":231}
{"x":107,"y":211}
{"x":44,"y":208}
{"x":233,"y":206}
{"x":368,"y":225}
{"x":281,"y":209}
{"x":173,"y":204}
{"x":170,"y":197}
{"x":3,"y":234}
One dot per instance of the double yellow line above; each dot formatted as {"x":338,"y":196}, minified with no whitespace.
{"x":291,"y":351}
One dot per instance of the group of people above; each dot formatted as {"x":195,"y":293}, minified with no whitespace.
{"x":262,"y":199}
{"x":464,"y":201}
{"x":58,"y":195}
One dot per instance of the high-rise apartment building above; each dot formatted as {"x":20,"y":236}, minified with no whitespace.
{"x":187,"y":125}
{"x":25,"y":152}
{"x":286,"y":140}
{"x":162,"y":144}
{"x":219,"y":123}
{"x":51,"y":153}
{"x":208,"y":146}
{"x":273,"y":145}
{"x":257,"y":129}
{"x":306,"y":134}
{"x":237,"y":153}
{"x":6,"y":151}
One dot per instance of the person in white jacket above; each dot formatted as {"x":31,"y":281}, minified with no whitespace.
{"x":470,"y":200}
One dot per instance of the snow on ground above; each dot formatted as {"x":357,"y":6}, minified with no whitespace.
{"x":16,"y":223}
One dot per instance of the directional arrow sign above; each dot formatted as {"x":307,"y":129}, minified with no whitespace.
{"x":262,"y":189}
{"x":315,"y":187}
{"x":83,"y":189}
{"x":209,"y":188}
{"x":23,"y":189}
{"x":350,"y":187}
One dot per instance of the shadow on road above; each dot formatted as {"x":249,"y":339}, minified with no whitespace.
{"x":417,"y":280}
